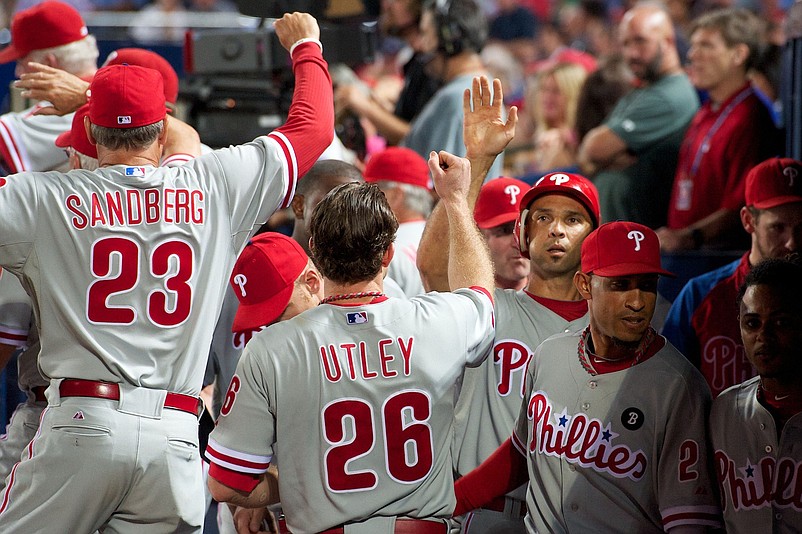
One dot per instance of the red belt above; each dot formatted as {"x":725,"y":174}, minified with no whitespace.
{"x":499,"y":505}
{"x":407,"y":526}
{"x":108,"y":390}
{"x":39,"y":393}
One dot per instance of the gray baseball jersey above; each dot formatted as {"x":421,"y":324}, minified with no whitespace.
{"x":624,"y":451}
{"x":358,"y":403}
{"x":491,"y":394}
{"x":28,"y":141}
{"x":403,"y":268}
{"x":147,"y":251}
{"x":16,"y":318}
{"x":759,"y":474}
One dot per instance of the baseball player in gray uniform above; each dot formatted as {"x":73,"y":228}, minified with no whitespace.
{"x":52,"y":33}
{"x":147,"y":250}
{"x":605,"y":452}
{"x":18,"y":335}
{"x":755,"y":426}
{"x":273,"y":280}
{"x":556,"y":214}
{"x":356,"y":396}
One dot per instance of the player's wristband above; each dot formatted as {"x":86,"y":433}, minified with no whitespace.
{"x":306,"y":40}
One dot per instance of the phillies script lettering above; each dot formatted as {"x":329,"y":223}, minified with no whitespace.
{"x":581,"y":440}
{"x":765,"y":483}
{"x":352,"y":360}
{"x":133,"y":207}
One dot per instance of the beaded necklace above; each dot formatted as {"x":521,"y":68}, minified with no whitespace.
{"x":348,"y":296}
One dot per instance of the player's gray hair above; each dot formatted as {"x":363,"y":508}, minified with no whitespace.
{"x":77,"y":57}
{"x":417,"y":199}
{"x":127,"y":138}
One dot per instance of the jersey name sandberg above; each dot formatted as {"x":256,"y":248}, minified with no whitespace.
{"x":133,"y":207}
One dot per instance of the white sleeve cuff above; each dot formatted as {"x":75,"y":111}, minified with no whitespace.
{"x":306,"y":40}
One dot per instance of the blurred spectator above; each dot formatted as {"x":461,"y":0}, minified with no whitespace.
{"x":399,"y":18}
{"x":602,"y":90}
{"x":163,"y":21}
{"x":456,"y":33}
{"x":551,"y":102}
{"x":586,"y":25}
{"x":730,"y":134}
{"x":515,"y":26}
{"x":632,"y":157}
{"x":501,"y":64}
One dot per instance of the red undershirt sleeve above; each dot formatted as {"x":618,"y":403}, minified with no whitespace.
{"x":310,"y":121}
{"x":502,"y":472}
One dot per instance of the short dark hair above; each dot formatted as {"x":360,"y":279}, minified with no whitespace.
{"x":461,"y":26}
{"x":351,"y":229}
{"x":782,"y":274}
{"x":322,"y":170}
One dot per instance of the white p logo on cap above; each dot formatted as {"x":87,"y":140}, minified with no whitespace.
{"x":791,"y":173}
{"x":637,"y":236}
{"x":513,"y":191}
{"x":240,"y":279}
{"x":559,"y":179}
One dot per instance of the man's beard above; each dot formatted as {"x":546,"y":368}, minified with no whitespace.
{"x":652,"y":70}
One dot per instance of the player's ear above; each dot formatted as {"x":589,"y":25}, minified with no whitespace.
{"x":297,"y":206}
{"x":313,"y":281}
{"x":388,"y":255}
{"x":748,"y":220}
{"x":582,"y":284}
{"x":88,"y":128}
{"x":163,"y":134}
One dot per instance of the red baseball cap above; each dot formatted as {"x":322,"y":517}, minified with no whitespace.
{"x":774,"y":182}
{"x":398,"y":164}
{"x":498,"y":202}
{"x":151,"y":60}
{"x":264,"y":277}
{"x":573,"y":185}
{"x":44,"y":25}
{"x":622,"y":248}
{"x":126,"y":96}
{"x":76,"y":136}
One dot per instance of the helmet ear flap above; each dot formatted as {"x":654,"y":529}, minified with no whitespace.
{"x":520,"y":233}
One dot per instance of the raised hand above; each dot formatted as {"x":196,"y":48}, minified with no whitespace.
{"x":485,"y":132}
{"x":293,"y":27}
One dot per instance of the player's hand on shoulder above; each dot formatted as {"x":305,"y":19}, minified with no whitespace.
{"x":293,"y":27}
{"x":451,"y":175}
{"x":485,"y":132}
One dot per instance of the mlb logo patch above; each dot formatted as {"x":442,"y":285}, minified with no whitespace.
{"x":135,"y":171}
{"x":357,"y":317}
{"x":123,"y":119}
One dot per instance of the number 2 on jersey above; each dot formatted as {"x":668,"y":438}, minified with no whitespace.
{"x":348,"y":426}
{"x":123,"y":253}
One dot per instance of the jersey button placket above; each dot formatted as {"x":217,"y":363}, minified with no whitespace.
{"x":593,"y":384}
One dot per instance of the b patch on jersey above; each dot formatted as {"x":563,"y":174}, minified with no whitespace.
{"x":135,"y":171}
{"x":3,"y":182}
{"x":356,"y":317}
{"x":632,"y":418}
